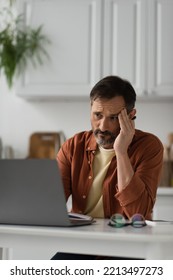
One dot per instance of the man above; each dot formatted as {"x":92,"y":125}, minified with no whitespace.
{"x":114,"y":168}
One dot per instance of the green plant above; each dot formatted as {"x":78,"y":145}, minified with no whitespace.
{"x":19,"y":45}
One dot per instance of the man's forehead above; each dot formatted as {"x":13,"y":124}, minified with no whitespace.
{"x":113,"y":105}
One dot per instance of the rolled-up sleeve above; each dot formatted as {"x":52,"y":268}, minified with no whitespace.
{"x":139,"y":195}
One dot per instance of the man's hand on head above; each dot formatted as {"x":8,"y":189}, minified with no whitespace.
{"x":127,"y":131}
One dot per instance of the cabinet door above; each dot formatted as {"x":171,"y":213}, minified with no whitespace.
{"x":125,"y":41}
{"x":74,"y":29}
{"x":160,"y":48}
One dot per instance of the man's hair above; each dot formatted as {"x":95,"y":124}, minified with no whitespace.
{"x":112,"y":86}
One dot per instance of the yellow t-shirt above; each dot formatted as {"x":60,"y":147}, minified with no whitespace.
{"x":101,"y":163}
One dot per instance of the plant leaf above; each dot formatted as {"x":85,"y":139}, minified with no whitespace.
{"x":18,"y":47}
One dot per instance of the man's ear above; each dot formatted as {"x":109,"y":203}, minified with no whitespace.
{"x":132,"y":113}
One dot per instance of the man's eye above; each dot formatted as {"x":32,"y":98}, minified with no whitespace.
{"x":97,"y":115}
{"x":114,"y":118}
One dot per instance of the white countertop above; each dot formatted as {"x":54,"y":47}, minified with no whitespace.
{"x":155,"y":241}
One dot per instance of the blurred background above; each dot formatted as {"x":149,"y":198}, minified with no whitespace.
{"x":90,"y":39}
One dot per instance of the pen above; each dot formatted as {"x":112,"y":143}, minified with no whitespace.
{"x":134,"y":118}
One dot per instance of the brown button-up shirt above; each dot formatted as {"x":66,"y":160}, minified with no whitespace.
{"x":75,"y":160}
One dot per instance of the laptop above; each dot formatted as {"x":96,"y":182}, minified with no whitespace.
{"x":32,"y":193}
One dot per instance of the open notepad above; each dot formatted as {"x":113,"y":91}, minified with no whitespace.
{"x":79,"y":216}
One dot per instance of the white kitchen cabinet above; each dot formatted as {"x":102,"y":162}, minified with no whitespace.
{"x":74,"y":29}
{"x":160,"y":46}
{"x":124,"y":44}
{"x":95,"y":38}
{"x":138,"y":44}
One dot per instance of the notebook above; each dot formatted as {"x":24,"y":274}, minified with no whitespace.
{"x":31,"y":193}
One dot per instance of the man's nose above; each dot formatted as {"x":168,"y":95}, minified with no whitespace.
{"x":103,"y":126}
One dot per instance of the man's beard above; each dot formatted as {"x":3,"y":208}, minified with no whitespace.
{"x":103,"y":141}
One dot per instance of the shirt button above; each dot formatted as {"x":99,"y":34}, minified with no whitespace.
{"x":84,"y":196}
{"x":90,"y":177}
{"x":88,"y":162}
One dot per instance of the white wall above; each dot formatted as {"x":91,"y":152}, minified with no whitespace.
{"x":19,"y":118}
